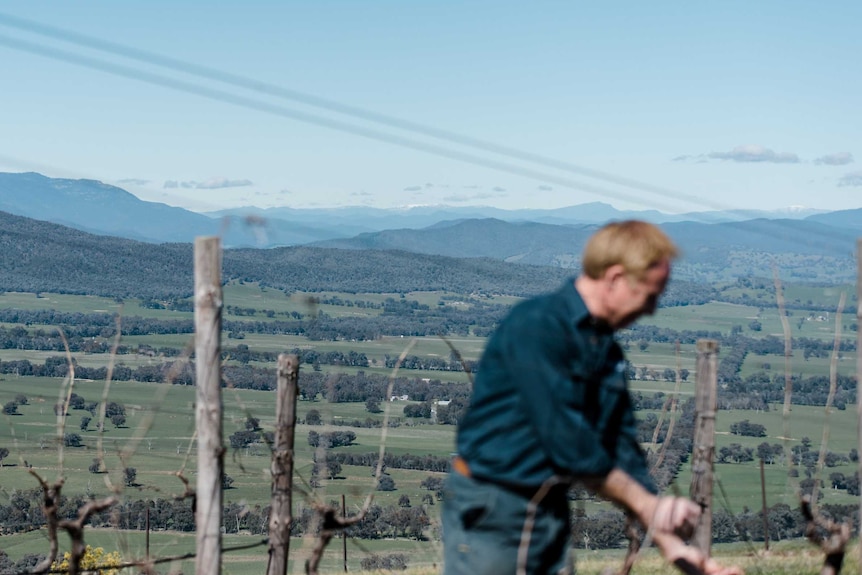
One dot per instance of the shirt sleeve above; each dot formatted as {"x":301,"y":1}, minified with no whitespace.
{"x":629,"y":455}
{"x":537,"y":354}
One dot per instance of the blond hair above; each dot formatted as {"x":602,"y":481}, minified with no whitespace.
{"x":636,"y":245}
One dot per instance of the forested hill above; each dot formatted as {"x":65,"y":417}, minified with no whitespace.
{"x":806,"y":249}
{"x":38,"y":256}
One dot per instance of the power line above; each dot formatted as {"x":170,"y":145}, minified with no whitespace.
{"x":252,"y":84}
{"x":339,"y":125}
{"x":331,"y":123}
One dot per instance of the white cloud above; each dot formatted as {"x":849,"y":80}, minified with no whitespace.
{"x":468,"y":197}
{"x":545,"y":188}
{"x":176,"y":184}
{"x":219,"y":183}
{"x":134,"y":181}
{"x":755,"y":153}
{"x":851,"y":179}
{"x":839,"y":159}
{"x":412,"y":188}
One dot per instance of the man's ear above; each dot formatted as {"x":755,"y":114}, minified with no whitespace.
{"x":614,"y":274}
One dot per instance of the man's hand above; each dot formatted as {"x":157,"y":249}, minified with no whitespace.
{"x":675,"y":515}
{"x":690,"y":560}
{"x":668,"y":518}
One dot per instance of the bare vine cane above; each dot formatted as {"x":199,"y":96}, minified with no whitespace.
{"x":75,"y":527}
{"x":671,"y":405}
{"x":530,"y":519}
{"x":830,"y":398}
{"x":635,"y":537}
{"x":460,"y":358}
{"x":331,"y":522}
{"x":830,"y":536}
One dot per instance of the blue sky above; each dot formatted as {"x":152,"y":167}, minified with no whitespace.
{"x":674,"y":106}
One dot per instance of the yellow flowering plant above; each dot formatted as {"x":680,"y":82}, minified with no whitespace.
{"x":94,"y":560}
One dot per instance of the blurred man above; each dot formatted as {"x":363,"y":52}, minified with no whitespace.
{"x":550,"y":406}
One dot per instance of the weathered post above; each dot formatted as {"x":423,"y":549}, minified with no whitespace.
{"x":282,"y":464}
{"x":147,"y":544}
{"x":208,"y":406}
{"x":764,"y":508}
{"x":703,"y":454}
{"x":344,"y":531}
{"x":859,"y":370}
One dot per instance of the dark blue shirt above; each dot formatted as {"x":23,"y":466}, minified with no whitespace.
{"x":551,"y":397}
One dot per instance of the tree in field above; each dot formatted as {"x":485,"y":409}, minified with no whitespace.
{"x":114,"y":408}
{"x":226,"y":481}
{"x":241,"y":439}
{"x":313,"y":417}
{"x":252,"y":423}
{"x":386,"y":483}
{"x":372,"y":405}
{"x":76,"y":401}
{"x":4,"y":453}
{"x":11,"y":408}
{"x":118,"y":420}
{"x":72,"y":440}
{"x":748,"y":429}
{"x":85,"y":422}
{"x":130,"y":474}
{"x":96,"y":466}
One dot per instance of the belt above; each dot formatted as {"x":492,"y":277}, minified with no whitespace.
{"x":461,"y":467}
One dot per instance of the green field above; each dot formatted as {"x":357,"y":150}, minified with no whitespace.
{"x":157,"y":438}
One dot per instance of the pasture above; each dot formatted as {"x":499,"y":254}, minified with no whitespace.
{"x":157,"y":438}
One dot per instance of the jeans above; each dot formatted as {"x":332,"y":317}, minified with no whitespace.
{"x":483,"y":525}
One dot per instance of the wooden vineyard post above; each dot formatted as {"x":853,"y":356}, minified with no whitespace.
{"x":859,"y":370}
{"x":282,"y":464}
{"x":208,"y":404}
{"x":703,"y":454}
{"x":763,"y":507}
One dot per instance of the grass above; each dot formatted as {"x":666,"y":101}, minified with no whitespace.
{"x":792,"y":557}
{"x":722,"y":317}
{"x":774,"y":365}
{"x":132,"y":546}
{"x":160,"y":422}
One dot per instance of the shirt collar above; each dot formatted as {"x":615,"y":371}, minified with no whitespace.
{"x":578,"y":311}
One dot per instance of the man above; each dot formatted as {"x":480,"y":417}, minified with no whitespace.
{"x":551,"y":405}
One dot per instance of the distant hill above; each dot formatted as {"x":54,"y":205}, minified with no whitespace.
{"x":851,"y":219}
{"x":90,"y":205}
{"x":358,"y":219}
{"x":800,"y":248}
{"x":38,"y":256}
{"x":93,"y":206}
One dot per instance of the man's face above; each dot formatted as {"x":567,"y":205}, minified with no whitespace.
{"x":630,"y":298}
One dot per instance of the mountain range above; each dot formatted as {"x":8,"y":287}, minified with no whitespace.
{"x":805,"y":244}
